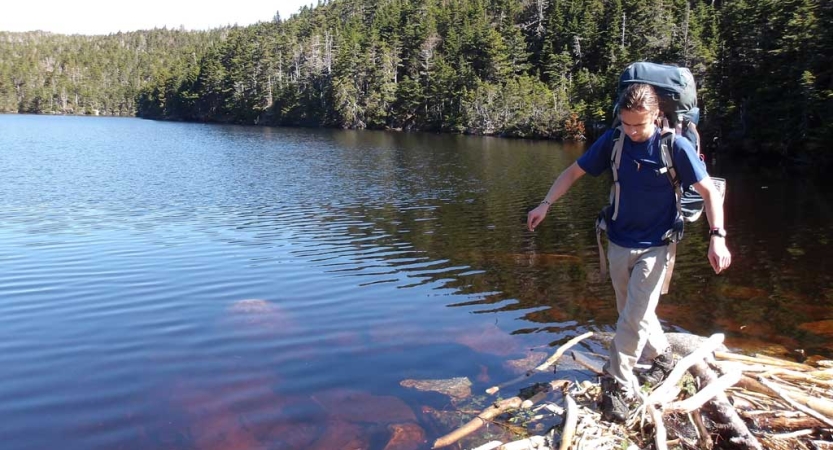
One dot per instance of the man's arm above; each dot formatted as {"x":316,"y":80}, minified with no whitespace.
{"x":559,"y":188}
{"x":719,"y":255}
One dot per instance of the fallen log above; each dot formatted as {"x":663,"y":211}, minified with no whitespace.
{"x":823,"y":406}
{"x":810,"y":411}
{"x":769,"y":361}
{"x":781,"y":423}
{"x":723,"y":412}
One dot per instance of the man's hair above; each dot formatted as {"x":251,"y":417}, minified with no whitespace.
{"x":639,"y":96}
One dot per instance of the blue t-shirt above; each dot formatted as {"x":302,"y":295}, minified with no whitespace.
{"x":647,"y":204}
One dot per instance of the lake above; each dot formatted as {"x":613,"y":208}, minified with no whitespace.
{"x":190,"y":286}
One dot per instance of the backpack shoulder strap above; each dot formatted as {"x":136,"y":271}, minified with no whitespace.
{"x":667,"y":156}
{"x":666,"y":145}
{"x":615,"y":162}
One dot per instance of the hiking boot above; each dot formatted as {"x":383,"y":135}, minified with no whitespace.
{"x":614,"y":404}
{"x":659,"y":370}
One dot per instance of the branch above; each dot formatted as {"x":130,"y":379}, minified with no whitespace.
{"x":495,"y":410}
{"x":709,"y":392}
{"x":552,"y":359}
{"x":661,"y":394}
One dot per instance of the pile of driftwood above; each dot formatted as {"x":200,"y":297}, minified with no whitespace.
{"x":712,"y":399}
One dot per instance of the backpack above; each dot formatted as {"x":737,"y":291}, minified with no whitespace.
{"x":678,"y":102}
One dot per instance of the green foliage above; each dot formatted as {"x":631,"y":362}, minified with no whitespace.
{"x":542,"y":68}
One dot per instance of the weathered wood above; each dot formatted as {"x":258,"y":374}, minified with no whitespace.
{"x":809,"y":410}
{"x":589,"y":364}
{"x":544,"y":366}
{"x":473,"y":425}
{"x":769,"y":361}
{"x":665,"y":392}
{"x":552,"y":359}
{"x":784,"y":424}
{"x":704,"y":438}
{"x":705,"y":394}
{"x":722,"y":411}
{"x":660,"y":433}
{"x":821,"y":405}
{"x":570,"y":423}
{"x":495,"y":410}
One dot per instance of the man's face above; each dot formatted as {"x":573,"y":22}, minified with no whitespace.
{"x":639,"y":125}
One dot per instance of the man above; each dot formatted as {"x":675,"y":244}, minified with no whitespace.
{"x":638,"y":253}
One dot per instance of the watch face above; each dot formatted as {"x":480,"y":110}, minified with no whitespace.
{"x":719,"y":232}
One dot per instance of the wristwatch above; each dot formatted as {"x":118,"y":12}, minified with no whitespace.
{"x":719,"y":232}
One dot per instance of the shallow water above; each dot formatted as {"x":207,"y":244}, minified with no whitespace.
{"x":169,"y":285}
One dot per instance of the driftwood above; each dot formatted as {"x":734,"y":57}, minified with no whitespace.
{"x":722,"y":411}
{"x":495,"y":410}
{"x":544,"y":366}
{"x":570,"y":423}
{"x":582,"y":360}
{"x":776,"y":404}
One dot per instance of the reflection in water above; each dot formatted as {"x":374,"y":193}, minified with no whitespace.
{"x":193,"y":286}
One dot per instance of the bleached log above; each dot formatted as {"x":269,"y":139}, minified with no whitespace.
{"x":795,"y":404}
{"x":805,"y":377}
{"x":708,"y":392}
{"x":768,"y":360}
{"x":823,"y":406}
{"x":662,"y":393}
{"x":660,"y":434}
{"x":570,"y":423}
{"x":552,"y":359}
{"x":781,"y":423}
{"x":541,"y":368}
{"x":793,"y":435}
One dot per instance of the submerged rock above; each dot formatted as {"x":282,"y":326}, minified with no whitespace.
{"x":405,"y":436}
{"x":457,"y":388}
{"x":259,"y":316}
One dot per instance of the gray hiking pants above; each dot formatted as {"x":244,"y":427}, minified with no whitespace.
{"x":637,"y":275}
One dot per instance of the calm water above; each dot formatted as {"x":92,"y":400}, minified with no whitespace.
{"x":167,"y":285}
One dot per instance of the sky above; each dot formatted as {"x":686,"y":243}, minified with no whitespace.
{"x":111,"y":16}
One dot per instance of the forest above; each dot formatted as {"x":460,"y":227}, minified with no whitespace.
{"x":532,"y":68}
